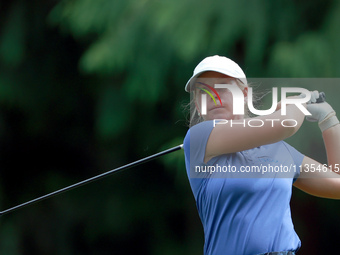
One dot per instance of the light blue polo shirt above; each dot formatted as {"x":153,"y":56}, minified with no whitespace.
{"x":243,"y":213}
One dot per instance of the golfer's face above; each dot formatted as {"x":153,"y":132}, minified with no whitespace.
{"x":214,"y":109}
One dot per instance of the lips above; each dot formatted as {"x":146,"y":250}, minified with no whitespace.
{"x":216,"y":107}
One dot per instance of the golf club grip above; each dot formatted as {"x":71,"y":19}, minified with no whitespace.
{"x":322,"y":97}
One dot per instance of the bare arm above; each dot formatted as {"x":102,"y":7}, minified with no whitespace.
{"x":323,"y":182}
{"x":318,"y":180}
{"x":331,"y":139}
{"x":226,"y":138}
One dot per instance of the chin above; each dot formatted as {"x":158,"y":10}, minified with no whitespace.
{"x":219,"y":113}
{"x":220,"y":116}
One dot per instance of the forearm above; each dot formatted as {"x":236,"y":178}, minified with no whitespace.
{"x":331,"y":137}
{"x":295,"y":115}
{"x":323,"y":183}
{"x":292,"y":113}
{"x":283,"y":126}
{"x":328,"y":123}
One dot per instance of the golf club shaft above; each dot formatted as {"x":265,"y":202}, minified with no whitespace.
{"x":95,"y":178}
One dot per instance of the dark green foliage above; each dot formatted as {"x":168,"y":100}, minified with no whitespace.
{"x":87,"y":86}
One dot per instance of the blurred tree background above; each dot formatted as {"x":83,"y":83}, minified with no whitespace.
{"x":90,"y":85}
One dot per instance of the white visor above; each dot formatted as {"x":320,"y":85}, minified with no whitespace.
{"x":218,"y":64}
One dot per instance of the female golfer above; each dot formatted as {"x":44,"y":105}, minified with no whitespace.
{"x":241,"y":171}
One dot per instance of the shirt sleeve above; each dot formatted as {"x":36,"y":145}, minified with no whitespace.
{"x":297,"y":158}
{"x":194,"y":145}
{"x":199,"y":135}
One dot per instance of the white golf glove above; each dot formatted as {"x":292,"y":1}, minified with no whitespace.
{"x":314,"y":95}
{"x":322,"y":113}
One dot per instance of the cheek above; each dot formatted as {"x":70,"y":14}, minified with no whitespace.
{"x":226,"y":98}
{"x":198,"y":101}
